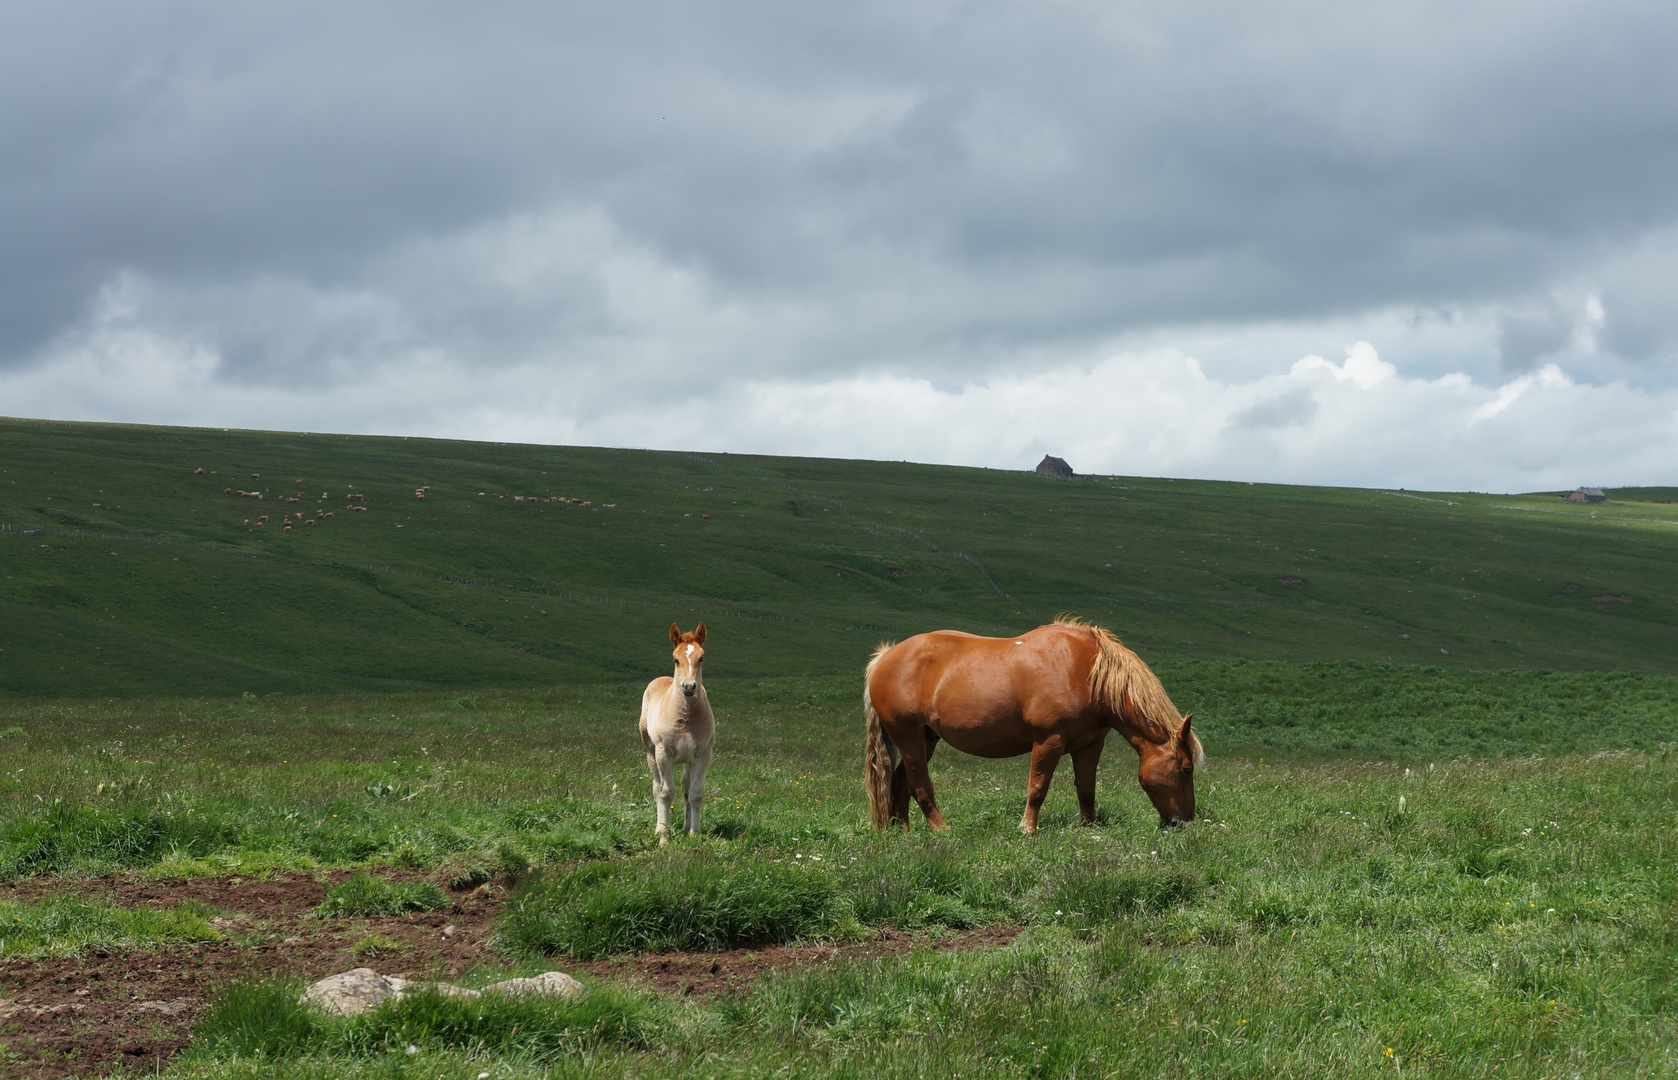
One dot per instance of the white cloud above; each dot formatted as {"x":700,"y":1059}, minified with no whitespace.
{"x":1363,"y":368}
{"x":1156,"y":412}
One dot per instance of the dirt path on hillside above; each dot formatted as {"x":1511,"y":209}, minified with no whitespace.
{"x":103,"y":1010}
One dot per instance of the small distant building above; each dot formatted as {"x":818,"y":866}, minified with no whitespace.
{"x":1582,"y":495}
{"x":1055,"y":467}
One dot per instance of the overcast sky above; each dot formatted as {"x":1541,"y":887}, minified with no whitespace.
{"x":1418,"y":244}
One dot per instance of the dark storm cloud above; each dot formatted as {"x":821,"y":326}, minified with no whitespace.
{"x":306,"y":187}
{"x":1285,"y":410}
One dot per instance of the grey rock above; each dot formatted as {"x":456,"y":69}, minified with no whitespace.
{"x":354,"y":991}
{"x":359,"y":989}
{"x":553,"y":983}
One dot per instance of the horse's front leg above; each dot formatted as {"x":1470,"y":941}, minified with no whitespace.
{"x":1044,"y":757}
{"x":1083,"y":774}
{"x":664,"y":788}
{"x":693,"y":789}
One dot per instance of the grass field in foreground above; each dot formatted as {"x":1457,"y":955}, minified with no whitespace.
{"x":1512,"y":916}
{"x":123,"y":572}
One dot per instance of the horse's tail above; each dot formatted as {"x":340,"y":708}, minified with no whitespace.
{"x":877,"y":753}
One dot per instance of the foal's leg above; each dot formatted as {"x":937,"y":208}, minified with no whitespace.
{"x":693,"y":789}
{"x":664,"y":788}
{"x":1083,"y":774}
{"x":1044,"y":757}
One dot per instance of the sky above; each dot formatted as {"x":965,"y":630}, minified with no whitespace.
{"x":1419,"y":244}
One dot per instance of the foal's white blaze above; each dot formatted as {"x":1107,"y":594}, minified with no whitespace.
{"x":677,"y":728}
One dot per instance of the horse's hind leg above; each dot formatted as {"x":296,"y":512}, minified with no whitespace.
{"x":1083,"y":774}
{"x":693,"y":790}
{"x":900,"y":795}
{"x":1044,"y":757}
{"x":918,"y":779}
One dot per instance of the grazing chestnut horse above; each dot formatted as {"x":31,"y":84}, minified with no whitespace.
{"x":677,"y":728}
{"x":1054,"y":691}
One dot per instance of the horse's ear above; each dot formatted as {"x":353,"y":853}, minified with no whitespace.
{"x":699,"y":634}
{"x":675,"y":634}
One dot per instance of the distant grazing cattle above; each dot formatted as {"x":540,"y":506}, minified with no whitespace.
{"x":198,"y":472}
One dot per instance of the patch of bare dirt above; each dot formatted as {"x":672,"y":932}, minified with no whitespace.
{"x":104,"y":1010}
{"x":704,"y":974}
{"x":90,"y":1014}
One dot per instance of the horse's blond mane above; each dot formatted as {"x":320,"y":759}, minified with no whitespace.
{"x":1121,"y":681}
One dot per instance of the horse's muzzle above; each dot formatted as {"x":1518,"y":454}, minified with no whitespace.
{"x":689,"y":689}
{"x":1172,"y":823}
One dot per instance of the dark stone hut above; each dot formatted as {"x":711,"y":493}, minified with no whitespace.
{"x":1055,"y":467}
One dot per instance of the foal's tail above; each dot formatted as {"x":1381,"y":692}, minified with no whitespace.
{"x":877,"y":752}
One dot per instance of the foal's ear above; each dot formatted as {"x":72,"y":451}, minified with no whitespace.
{"x":699,"y":634}
{"x":675,"y":634}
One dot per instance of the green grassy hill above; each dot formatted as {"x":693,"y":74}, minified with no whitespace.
{"x":126,"y":572}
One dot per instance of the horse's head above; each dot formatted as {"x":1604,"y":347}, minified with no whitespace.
{"x":1167,"y":772}
{"x":688,"y":650}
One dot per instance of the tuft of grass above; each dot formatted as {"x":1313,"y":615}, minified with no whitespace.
{"x":540,"y":1027}
{"x":376,"y":945}
{"x":483,"y":864}
{"x":367,"y":895}
{"x":1098,"y":891}
{"x":68,"y":926}
{"x":264,"y":1020}
{"x":664,"y":903}
{"x":90,"y":839}
{"x":260,"y":1019}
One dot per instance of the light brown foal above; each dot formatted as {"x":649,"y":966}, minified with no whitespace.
{"x":677,"y":728}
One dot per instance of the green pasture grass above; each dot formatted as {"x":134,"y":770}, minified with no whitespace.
{"x":1509,"y":918}
{"x":366,"y":895}
{"x":485,"y":787}
{"x":1372,"y":840}
{"x":138,"y":577}
{"x":69,"y":926}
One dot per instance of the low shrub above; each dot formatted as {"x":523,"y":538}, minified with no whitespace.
{"x":933,"y":884}
{"x":367,"y":895}
{"x":667,"y":903}
{"x":262,"y":1018}
{"x":66,"y":926}
{"x":68,"y":838}
{"x":542,"y":1027}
